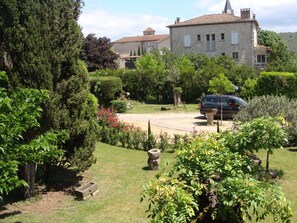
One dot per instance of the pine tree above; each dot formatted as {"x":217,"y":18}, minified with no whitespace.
{"x":40,"y":43}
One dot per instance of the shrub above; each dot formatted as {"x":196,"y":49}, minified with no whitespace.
{"x":249,"y":89}
{"x":208,"y":184}
{"x":277,"y":83}
{"x":119,"y":106}
{"x":107,"y":89}
{"x":164,"y":141}
{"x":274,"y":106}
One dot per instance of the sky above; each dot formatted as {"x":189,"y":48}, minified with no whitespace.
{"x":115,"y":19}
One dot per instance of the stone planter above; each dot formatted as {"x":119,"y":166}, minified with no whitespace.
{"x":210,"y":112}
{"x":154,"y":159}
{"x":86,"y":190}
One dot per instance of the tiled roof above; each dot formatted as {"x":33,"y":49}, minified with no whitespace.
{"x":213,"y":19}
{"x":142,"y":38}
{"x":149,"y":29}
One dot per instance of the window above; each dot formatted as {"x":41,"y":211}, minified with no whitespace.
{"x":210,"y":43}
{"x":235,"y":55}
{"x":261,"y":59}
{"x":223,"y":54}
{"x":234,"y":38}
{"x":222,"y":36}
{"x":213,"y":37}
{"x":198,"y":37}
{"x":187,"y":41}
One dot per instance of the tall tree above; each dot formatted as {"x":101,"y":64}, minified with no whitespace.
{"x":97,"y":53}
{"x":280,"y":56}
{"x":40,"y":46}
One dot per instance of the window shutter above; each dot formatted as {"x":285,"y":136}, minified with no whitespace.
{"x":187,"y":41}
{"x":234,"y":38}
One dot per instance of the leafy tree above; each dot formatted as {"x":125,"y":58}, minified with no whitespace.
{"x":97,"y":53}
{"x":151,"y":69}
{"x":221,"y":85}
{"x":40,"y":43}
{"x":280,"y":56}
{"x":210,"y":183}
{"x":20,"y":110}
{"x":260,"y":133}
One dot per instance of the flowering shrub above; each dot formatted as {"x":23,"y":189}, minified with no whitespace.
{"x":106,"y":117}
{"x":115,"y":132}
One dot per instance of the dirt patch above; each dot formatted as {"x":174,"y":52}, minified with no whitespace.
{"x":173,"y":123}
{"x":46,"y":203}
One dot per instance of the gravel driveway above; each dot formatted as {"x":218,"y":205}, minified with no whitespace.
{"x":172,"y":123}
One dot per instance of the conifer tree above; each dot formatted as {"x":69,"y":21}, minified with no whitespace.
{"x":40,"y":43}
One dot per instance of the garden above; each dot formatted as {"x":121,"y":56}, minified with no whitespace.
{"x":59,"y":130}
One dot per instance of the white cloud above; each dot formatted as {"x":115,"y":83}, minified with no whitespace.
{"x":118,"y":25}
{"x":276,"y":15}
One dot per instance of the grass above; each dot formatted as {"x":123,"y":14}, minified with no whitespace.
{"x":120,"y":175}
{"x":138,"y":108}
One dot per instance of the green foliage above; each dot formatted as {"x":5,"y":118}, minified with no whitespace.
{"x":221,"y":84}
{"x":42,"y":42}
{"x":20,"y":110}
{"x":260,"y":133}
{"x":119,"y":106}
{"x":107,"y":89}
{"x":277,"y":83}
{"x":151,"y":141}
{"x":280,"y":58}
{"x":97,"y":53}
{"x":249,"y":89}
{"x":210,"y":183}
{"x":274,"y":106}
{"x":290,"y":38}
{"x":156,"y":75}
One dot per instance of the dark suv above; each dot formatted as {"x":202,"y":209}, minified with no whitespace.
{"x":231,"y":104}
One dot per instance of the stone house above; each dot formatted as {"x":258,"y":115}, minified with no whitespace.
{"x":131,"y":48}
{"x":221,"y":34}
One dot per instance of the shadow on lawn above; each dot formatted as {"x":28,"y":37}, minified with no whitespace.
{"x":6,"y":213}
{"x":293,"y":149}
{"x":59,"y":179}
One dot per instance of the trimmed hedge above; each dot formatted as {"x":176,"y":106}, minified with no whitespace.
{"x":277,"y":83}
{"x":106,"y":88}
{"x":119,"y":106}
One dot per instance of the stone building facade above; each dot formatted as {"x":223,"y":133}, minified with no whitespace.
{"x":131,"y":48}
{"x":220,"y":34}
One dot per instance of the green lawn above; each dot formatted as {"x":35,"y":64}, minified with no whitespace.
{"x":120,"y":175}
{"x":138,"y":107}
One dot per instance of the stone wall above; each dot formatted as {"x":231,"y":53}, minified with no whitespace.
{"x":247,"y":40}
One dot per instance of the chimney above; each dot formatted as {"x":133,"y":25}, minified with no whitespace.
{"x":245,"y":13}
{"x":177,"y":20}
{"x":254,"y":16}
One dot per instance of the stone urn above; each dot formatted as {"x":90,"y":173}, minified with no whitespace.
{"x":210,"y":112}
{"x":154,"y":159}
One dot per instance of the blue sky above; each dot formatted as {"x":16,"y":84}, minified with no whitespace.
{"x":119,"y":18}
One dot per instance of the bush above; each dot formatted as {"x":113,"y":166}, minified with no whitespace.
{"x":209,"y":183}
{"x":107,"y":89}
{"x":277,"y":83}
{"x":119,"y":106}
{"x":281,"y":107}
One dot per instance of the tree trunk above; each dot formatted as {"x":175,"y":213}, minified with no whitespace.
{"x":267,"y":162}
{"x":29,"y":171}
{"x":175,"y":99}
{"x":221,"y":109}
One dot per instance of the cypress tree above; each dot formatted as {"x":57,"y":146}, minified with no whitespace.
{"x":40,"y":43}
